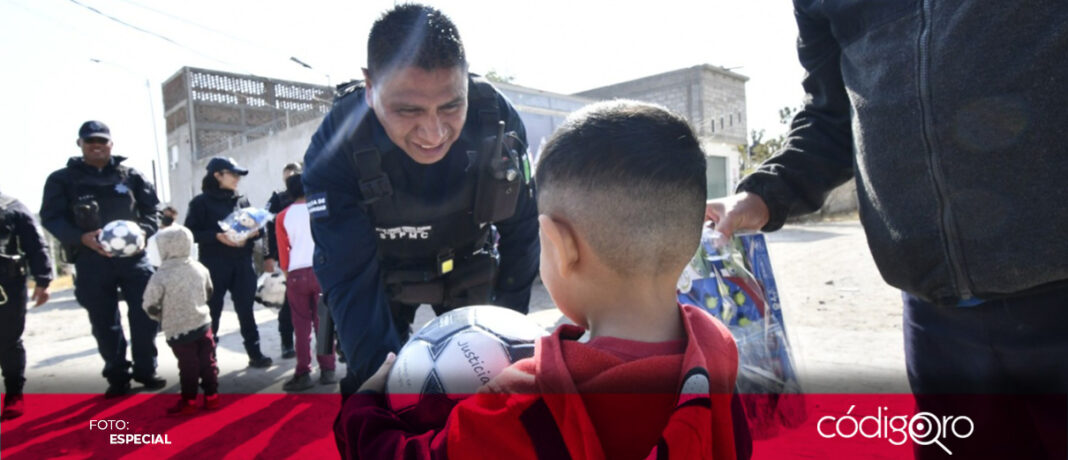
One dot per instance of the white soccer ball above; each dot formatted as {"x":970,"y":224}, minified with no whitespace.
{"x":122,"y":238}
{"x":458,"y":352}
{"x":271,"y":290}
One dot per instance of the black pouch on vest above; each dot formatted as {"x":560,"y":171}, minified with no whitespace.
{"x":501,"y":176}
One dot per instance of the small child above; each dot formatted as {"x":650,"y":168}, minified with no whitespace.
{"x":621,"y":197}
{"x":177,"y":296}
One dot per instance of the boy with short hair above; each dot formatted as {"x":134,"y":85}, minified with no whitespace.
{"x":177,"y":296}
{"x":621,"y":193}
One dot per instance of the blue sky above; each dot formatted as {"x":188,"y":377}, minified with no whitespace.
{"x":52,"y":85}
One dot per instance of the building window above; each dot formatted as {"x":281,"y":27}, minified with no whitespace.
{"x":713,"y":126}
{"x":720,"y":122}
{"x":732,"y":119}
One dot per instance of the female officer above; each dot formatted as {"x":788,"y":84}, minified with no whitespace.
{"x":230,"y":263}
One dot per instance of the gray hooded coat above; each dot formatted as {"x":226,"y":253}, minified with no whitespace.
{"x":177,"y":294}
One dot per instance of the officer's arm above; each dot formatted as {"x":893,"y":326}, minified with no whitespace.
{"x":147,"y":204}
{"x":345,"y":260}
{"x":519,"y":246}
{"x":54,"y":211}
{"x":203,"y":231}
{"x":272,"y":239}
{"x":33,"y":245}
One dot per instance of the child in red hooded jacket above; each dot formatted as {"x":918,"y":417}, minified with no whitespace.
{"x":621,"y":193}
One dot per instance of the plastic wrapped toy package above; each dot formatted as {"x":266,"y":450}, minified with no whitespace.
{"x":732,"y":280}
{"x":241,"y":223}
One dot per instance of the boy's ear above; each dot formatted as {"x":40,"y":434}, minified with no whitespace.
{"x":561,"y":238}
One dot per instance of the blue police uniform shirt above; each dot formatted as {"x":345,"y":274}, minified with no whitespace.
{"x":345,"y":260}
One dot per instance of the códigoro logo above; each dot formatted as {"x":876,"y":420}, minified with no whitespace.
{"x":923,"y":428}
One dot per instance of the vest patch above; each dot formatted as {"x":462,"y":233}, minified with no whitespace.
{"x":317,"y":207}
{"x":404,"y":233}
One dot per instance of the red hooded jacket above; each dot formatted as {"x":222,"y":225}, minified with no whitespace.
{"x":573,"y":400}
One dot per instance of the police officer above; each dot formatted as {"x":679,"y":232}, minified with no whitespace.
{"x":418,"y":190}
{"x":229,"y":262}
{"x":92,"y":190}
{"x":19,"y":238}
{"x":279,"y":201}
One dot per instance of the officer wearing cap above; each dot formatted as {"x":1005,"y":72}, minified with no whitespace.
{"x":229,"y":262}
{"x":418,"y":191}
{"x":92,"y":190}
{"x":19,"y":240}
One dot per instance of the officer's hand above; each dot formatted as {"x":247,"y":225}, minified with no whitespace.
{"x":377,"y":381}
{"x":268,"y":265}
{"x":40,"y":295}
{"x":89,"y":240}
{"x":741,"y":212}
{"x":224,"y":239}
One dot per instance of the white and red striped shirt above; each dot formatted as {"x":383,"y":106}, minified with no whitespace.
{"x":295,"y":244}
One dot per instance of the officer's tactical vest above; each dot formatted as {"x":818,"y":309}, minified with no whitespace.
{"x":96,"y":200}
{"x":11,"y":265}
{"x":442,"y":253}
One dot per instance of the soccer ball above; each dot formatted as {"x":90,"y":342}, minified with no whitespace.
{"x":458,"y":352}
{"x":271,"y":290}
{"x":122,"y":238}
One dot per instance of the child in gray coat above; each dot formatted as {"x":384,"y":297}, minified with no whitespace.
{"x":177,"y":296}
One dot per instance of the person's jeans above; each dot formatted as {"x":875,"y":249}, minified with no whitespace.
{"x":1003,"y":363}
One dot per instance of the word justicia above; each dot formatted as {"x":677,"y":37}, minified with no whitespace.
{"x":923,"y":428}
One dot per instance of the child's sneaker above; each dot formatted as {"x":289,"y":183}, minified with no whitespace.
{"x":212,"y":402}
{"x":183,"y":407}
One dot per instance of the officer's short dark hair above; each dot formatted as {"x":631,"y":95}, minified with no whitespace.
{"x":630,"y":177}
{"x":293,"y":167}
{"x":414,"y":35}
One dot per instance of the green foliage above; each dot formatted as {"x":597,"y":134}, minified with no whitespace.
{"x":759,"y":148}
{"x":497,"y":77}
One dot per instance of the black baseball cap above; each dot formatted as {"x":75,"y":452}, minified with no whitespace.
{"x":93,"y":128}
{"x":217,"y":164}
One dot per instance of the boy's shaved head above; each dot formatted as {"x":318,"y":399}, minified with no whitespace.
{"x":631,"y":177}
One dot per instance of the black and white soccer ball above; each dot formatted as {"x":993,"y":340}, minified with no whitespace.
{"x":122,"y":238}
{"x":458,"y":352}
{"x":271,"y":290}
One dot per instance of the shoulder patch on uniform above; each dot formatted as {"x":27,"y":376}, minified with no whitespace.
{"x":317,"y":207}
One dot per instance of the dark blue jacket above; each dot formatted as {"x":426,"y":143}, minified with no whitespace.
{"x":346,"y":247}
{"x":21,"y":236}
{"x":122,"y":193}
{"x":950,"y":115}
{"x":205,"y":212}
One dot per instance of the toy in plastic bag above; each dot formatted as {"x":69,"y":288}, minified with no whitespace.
{"x":241,"y":223}
{"x":732,"y":280}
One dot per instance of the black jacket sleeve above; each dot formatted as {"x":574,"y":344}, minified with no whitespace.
{"x":519,"y":247}
{"x":33,"y":244}
{"x":198,"y":222}
{"x":818,"y":153}
{"x":55,"y":210}
{"x":147,"y":203}
{"x":273,"y":207}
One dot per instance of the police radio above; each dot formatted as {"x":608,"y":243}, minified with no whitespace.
{"x":503,"y":170}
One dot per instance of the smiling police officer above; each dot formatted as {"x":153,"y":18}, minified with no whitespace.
{"x":92,"y":190}
{"x":418,"y":190}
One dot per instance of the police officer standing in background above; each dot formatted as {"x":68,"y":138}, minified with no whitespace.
{"x":92,"y":190}
{"x":19,"y":237}
{"x":412,"y":179}
{"x":279,"y":201}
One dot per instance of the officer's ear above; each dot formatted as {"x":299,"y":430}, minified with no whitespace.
{"x":78,"y":142}
{"x":367,"y":84}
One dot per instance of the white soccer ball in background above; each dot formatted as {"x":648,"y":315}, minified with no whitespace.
{"x":458,"y":352}
{"x":122,"y":238}
{"x":271,"y":290}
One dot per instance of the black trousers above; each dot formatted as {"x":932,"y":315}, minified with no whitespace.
{"x":96,"y":288}
{"x":1003,"y":364}
{"x":237,"y":277}
{"x":12,"y":324}
{"x":285,"y":325}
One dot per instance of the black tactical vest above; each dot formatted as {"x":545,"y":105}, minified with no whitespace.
{"x":440,"y":252}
